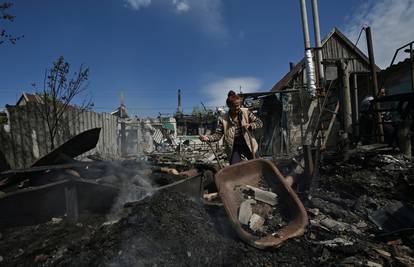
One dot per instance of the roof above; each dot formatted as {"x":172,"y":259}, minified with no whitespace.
{"x":398,"y":66}
{"x":280,"y":85}
{"x":29,"y":98}
{"x":120,"y":112}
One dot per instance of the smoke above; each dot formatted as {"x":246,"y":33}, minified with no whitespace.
{"x":134,"y":185}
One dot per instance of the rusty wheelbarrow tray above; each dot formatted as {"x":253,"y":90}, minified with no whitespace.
{"x":250,"y":173}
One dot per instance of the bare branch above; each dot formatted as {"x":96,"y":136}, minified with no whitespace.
{"x":59,"y":93}
{"x":4,"y":36}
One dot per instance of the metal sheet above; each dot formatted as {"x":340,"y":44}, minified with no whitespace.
{"x":74,"y":147}
{"x":39,"y":204}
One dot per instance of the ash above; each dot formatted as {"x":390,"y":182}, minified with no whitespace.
{"x":171,"y":229}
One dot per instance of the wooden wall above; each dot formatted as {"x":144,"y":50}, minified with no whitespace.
{"x":26,"y":137}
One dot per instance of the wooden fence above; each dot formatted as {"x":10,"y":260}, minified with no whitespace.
{"x":25,"y":137}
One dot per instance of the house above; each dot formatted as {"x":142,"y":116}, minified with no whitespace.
{"x":336,"y":48}
{"x":28,"y":97}
{"x":195,"y":124}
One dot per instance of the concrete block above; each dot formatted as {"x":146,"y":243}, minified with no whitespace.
{"x":256,"y":222}
{"x":264,"y":196}
{"x":245,"y":211}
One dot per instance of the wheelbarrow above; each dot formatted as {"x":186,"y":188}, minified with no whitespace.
{"x":249,"y":173}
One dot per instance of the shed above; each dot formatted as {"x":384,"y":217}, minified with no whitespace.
{"x":335,"y":47}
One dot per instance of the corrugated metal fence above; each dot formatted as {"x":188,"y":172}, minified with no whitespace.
{"x":26,"y":137}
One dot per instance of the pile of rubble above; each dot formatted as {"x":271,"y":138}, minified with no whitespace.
{"x":361,"y":214}
{"x":259,"y":213}
{"x":189,"y":156}
{"x":366,"y":201}
{"x":57,"y":184}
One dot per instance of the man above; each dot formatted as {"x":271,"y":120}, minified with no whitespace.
{"x":236,"y":126}
{"x":366,"y":120}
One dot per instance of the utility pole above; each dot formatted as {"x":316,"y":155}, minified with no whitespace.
{"x":346,"y":97}
{"x":346,"y":106}
{"x":372,"y":61}
{"x":375,"y":90}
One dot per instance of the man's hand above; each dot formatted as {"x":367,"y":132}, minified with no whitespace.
{"x":203,"y":138}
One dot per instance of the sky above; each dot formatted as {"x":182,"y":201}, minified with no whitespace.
{"x":148,"y":49}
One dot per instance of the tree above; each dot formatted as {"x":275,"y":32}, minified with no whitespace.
{"x":5,"y":16}
{"x":59,"y":92}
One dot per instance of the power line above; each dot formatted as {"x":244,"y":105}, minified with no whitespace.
{"x":150,"y":108}
{"x":360,"y":33}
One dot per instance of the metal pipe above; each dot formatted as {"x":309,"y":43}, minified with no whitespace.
{"x":305,"y":23}
{"x":397,"y":51}
{"x":309,"y":168}
{"x":317,"y":33}
{"x":310,"y":69}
